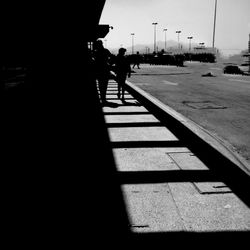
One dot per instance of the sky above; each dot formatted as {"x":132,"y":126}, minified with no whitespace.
{"x":192,"y":17}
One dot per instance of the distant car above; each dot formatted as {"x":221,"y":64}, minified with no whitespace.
{"x":233,"y":69}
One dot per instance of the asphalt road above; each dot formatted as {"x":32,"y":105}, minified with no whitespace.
{"x":220,"y":104}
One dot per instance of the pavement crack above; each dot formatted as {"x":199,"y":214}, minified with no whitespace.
{"x":177,"y":209}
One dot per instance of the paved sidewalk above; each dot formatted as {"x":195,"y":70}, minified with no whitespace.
{"x":166,"y":185}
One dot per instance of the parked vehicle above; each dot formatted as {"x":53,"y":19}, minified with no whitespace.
{"x":232,"y":69}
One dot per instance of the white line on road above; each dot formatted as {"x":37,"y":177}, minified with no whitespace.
{"x":239,"y":80}
{"x":170,"y":83}
{"x":216,"y":68}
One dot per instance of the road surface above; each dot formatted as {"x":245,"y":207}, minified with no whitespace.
{"x":220,"y":104}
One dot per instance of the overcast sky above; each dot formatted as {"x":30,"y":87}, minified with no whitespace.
{"x":193,"y":17}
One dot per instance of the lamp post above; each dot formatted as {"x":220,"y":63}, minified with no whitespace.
{"x":202,"y":46}
{"x":155,"y":36}
{"x":215,"y":10}
{"x":190,"y":38}
{"x":132,"y":34}
{"x":178,"y":33}
{"x":165,"y":39}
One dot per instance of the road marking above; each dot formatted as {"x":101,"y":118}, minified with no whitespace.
{"x":170,"y":83}
{"x":239,"y":80}
{"x":216,"y":68}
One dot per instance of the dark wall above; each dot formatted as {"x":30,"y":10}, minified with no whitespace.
{"x":58,"y":170}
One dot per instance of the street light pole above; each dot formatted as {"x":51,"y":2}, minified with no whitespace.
{"x":165,"y":39}
{"x":132,"y":34}
{"x":215,"y":10}
{"x":190,"y":37}
{"x":155,"y":36}
{"x":178,"y":32}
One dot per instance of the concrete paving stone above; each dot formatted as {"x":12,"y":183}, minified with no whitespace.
{"x":130,"y":118}
{"x":151,"y":208}
{"x":219,"y":212}
{"x":112,"y":86}
{"x":113,"y":91}
{"x":211,"y":187}
{"x":126,"y":109}
{"x":169,"y":150}
{"x":114,"y":97}
{"x":188,"y":161}
{"x":143,"y":159}
{"x":141,"y":134}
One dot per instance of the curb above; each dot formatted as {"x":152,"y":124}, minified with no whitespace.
{"x":202,"y":133}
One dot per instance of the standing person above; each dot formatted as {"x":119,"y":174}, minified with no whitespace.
{"x":137,"y":60}
{"x":122,"y":69}
{"x":102,"y":58}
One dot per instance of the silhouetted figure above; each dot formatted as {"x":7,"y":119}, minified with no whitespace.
{"x":102,"y":67}
{"x":137,"y":60}
{"x":122,"y":69}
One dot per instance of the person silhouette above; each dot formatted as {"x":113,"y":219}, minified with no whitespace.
{"x":102,"y":57}
{"x":137,"y":60}
{"x":122,"y":69}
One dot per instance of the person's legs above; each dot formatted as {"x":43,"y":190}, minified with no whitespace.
{"x":118,"y":80}
{"x":118,"y":89}
{"x":103,"y":85}
{"x":123,"y":87}
{"x":123,"y":90}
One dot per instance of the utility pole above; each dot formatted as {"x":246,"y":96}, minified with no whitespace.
{"x":215,"y":10}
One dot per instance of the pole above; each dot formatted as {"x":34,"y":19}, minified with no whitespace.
{"x":178,"y":33}
{"x":249,"y":55}
{"x":178,"y":41}
{"x":165,"y":39}
{"x":155,"y":36}
{"x":215,"y":10}
{"x":132,"y":34}
{"x":190,"y":37}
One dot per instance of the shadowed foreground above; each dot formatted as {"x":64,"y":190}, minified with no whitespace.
{"x":59,"y":182}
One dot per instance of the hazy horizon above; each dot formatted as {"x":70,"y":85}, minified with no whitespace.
{"x":192,"y":17}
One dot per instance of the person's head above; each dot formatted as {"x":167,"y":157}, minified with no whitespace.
{"x":98,"y":44}
{"x":137,"y":52}
{"x":122,"y":51}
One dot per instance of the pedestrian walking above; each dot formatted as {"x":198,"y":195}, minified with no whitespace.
{"x":102,"y":57}
{"x":122,"y":69}
{"x":137,"y":58}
